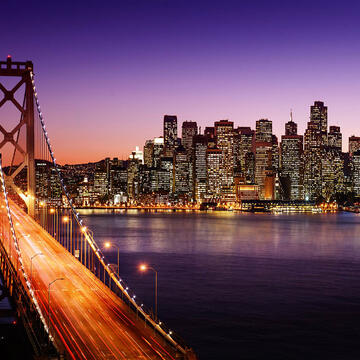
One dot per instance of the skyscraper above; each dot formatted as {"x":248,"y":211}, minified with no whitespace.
{"x":319,"y":116}
{"x":189,"y":130}
{"x":170,"y":134}
{"x":332,"y":172}
{"x":214,"y":159}
{"x":335,"y":138}
{"x":149,"y":153}
{"x":356,"y":172}
{"x":263,"y":132}
{"x":290,"y":127}
{"x":312,"y":161}
{"x":157,"y":151}
{"x":354,"y":144}
{"x":291,"y":163}
{"x":200,"y":167}
{"x":182,"y":185}
{"x":263,"y":149}
{"x":224,"y":132}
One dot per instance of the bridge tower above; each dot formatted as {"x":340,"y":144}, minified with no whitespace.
{"x":21,"y":70}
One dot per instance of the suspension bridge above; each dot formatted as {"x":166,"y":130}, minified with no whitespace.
{"x":72,"y":301}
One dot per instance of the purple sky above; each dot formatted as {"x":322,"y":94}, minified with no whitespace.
{"x":107,"y":71}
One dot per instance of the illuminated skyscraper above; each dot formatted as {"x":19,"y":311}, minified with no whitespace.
{"x":189,"y":130}
{"x":354,"y":144}
{"x":149,"y":153}
{"x":170,"y":134}
{"x":200,"y":167}
{"x":182,"y":184}
{"x":158,"y":151}
{"x":263,"y":150}
{"x":224,"y":132}
{"x":263,"y":131}
{"x":214,"y":159}
{"x":210,"y":136}
{"x":335,"y":138}
{"x":133,"y":178}
{"x":319,"y":116}
{"x":332,"y":172}
{"x":290,"y":127}
{"x":166,"y":177}
{"x":312,"y":161}
{"x":291,"y":163}
{"x":356,"y":172}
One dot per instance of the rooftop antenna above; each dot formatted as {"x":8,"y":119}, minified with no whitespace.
{"x":291,"y":115}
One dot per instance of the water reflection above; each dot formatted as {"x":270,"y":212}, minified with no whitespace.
{"x":286,"y":236}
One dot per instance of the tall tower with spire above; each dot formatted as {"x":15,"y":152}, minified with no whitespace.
{"x":291,"y":164}
{"x":291,"y":126}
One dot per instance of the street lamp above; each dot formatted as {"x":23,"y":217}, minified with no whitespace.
{"x":49,"y":303}
{"x":108,"y":245}
{"x":143,"y":268}
{"x":31,"y":260}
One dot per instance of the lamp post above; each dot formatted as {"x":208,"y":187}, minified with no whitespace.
{"x":66,"y":220}
{"x":49,"y":303}
{"x":31,"y":262}
{"x":108,"y":245}
{"x":143,"y":268}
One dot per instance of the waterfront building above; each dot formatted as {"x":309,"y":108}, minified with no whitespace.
{"x":246,"y":192}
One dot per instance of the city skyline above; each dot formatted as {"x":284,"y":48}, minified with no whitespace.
{"x":123,"y":65}
{"x":225,"y":164}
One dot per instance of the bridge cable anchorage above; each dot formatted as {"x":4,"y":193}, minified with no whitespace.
{"x":157,"y":325}
{"x":18,"y":251}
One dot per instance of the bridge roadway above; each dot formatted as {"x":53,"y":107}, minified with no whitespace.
{"x":87,"y":319}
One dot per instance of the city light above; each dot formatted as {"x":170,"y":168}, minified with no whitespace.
{"x":65,"y":219}
{"x":143,"y":267}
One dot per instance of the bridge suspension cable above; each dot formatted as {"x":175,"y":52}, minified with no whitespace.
{"x":19,"y":260}
{"x":89,"y":248}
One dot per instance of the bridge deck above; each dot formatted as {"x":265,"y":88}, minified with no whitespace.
{"x":86,"y":317}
